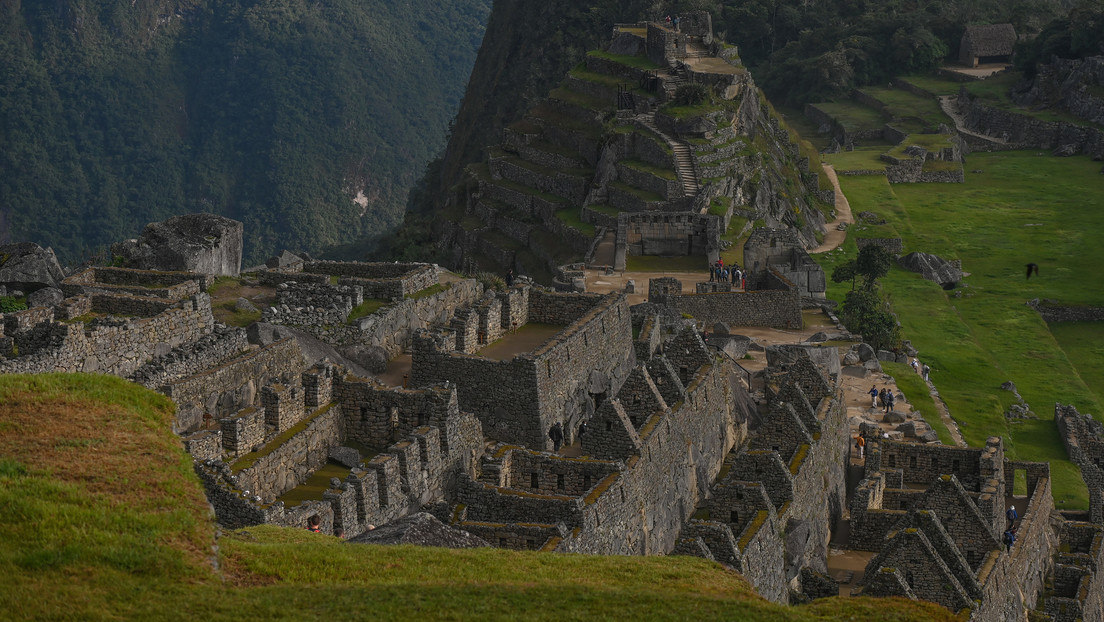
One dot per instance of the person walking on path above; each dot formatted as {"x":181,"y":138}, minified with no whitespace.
{"x":1012,"y":516}
{"x":860,"y":444}
{"x":509,"y":278}
{"x":556,"y":434}
{"x":677,"y":20}
{"x":873,"y":396}
{"x":1009,"y":539}
{"x":712,"y":272}
{"x":925,"y":370}
{"x":889,"y":401}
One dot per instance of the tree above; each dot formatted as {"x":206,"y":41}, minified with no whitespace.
{"x":873,"y":263}
{"x":864,"y":311}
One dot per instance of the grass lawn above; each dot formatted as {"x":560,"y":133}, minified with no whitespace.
{"x":902,"y":104}
{"x":1022,"y":207}
{"x":104,"y":519}
{"x":861,"y":159}
{"x":854,"y":117}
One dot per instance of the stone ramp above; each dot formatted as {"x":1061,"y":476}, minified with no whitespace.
{"x":605,"y":251}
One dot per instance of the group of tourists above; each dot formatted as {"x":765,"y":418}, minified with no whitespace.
{"x":885,"y":396}
{"x":720,"y":273}
{"x":1010,"y":533}
{"x":672,"y":22}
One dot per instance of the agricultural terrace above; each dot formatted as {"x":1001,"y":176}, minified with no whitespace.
{"x":1014,"y":208}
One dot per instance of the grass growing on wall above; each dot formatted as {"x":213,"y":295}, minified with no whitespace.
{"x":1022,"y":207}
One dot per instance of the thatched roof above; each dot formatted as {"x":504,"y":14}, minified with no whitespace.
{"x":989,"y":40}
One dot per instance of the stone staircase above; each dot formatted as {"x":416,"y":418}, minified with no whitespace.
{"x":684,"y":160}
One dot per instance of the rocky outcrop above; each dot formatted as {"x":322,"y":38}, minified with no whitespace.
{"x":933,"y":268}
{"x":27,"y":267}
{"x":1072,"y":85}
{"x":204,"y":243}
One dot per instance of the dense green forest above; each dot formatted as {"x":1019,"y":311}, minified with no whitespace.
{"x":798,"y":51}
{"x":275,"y":112}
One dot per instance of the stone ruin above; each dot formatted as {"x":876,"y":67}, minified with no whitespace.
{"x":678,"y":456}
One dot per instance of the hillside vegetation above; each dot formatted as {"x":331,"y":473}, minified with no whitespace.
{"x":102,"y":518}
{"x":278,"y":113}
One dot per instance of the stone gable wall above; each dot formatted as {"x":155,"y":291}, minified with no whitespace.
{"x":295,"y":460}
{"x":233,"y":385}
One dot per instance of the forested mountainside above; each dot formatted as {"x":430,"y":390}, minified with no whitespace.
{"x":307,"y":121}
{"x":798,"y":51}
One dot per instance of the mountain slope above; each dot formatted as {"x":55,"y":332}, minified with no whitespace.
{"x":307,"y":121}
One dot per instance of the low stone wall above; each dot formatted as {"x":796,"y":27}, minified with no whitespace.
{"x":116,"y":346}
{"x":1031,"y":132}
{"x":235,"y":508}
{"x":226,"y":389}
{"x":154,"y":283}
{"x":213,"y":349}
{"x":894,"y":245}
{"x":776,"y":308}
{"x":294,"y":460}
{"x":1050,"y":311}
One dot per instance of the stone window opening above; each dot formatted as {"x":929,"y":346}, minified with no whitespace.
{"x":530,"y":543}
{"x":892,"y":461}
{"x":909,"y":578}
{"x":954,"y":466}
{"x":364,"y":413}
{"x":534,"y":480}
{"x":912,"y":462}
{"x":935,"y":463}
{"x":632,"y":420}
{"x":502,"y":542}
{"x":734,"y":517}
{"x":560,"y":481}
{"x":739,"y":496}
{"x":609,"y":426}
{"x":586,"y":482}
{"x":548,"y":364}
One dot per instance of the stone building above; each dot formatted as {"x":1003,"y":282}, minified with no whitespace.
{"x":562,"y":380}
{"x":781,"y":250}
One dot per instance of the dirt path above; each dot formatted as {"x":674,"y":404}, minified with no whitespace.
{"x":834,"y":236}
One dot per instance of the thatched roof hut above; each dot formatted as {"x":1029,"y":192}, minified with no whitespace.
{"x":991,"y":43}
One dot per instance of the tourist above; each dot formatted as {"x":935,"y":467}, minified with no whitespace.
{"x":882,"y":396}
{"x":737,"y":274}
{"x":724,"y":274}
{"x":915,"y":365}
{"x":1010,"y":539}
{"x":873,"y":396}
{"x":556,"y":434}
{"x":712,"y":272}
{"x":677,"y":20}
{"x":314,"y":523}
{"x":582,"y":430}
{"x":667,"y":21}
{"x":860,"y":444}
{"x":509,"y":278}
{"x":1012,"y":516}
{"x":924,"y":371}
{"x":889,"y":401}
{"x":340,"y":533}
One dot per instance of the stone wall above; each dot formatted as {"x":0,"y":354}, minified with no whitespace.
{"x":1030,"y":132}
{"x":293,"y":461}
{"x":153,"y":283}
{"x":226,"y":389}
{"x":776,"y":307}
{"x":210,"y":350}
{"x":1051,"y":311}
{"x":117,"y":346}
{"x":683,"y":233}
{"x":519,"y":400}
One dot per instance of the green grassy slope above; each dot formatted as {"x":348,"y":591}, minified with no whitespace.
{"x":101,"y":517}
{"x":1021,"y":207}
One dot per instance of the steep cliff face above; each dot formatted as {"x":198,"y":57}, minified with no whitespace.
{"x":307,"y":121}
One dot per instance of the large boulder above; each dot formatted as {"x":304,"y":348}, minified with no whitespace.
{"x":27,"y":267}
{"x":933,"y":268}
{"x":45,"y":297}
{"x":204,"y":243}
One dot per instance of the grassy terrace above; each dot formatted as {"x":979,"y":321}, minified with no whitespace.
{"x":580,"y":73}
{"x":645,"y":167}
{"x":544,"y":112}
{"x":861,"y":159}
{"x":636,"y":62}
{"x":483,"y":173}
{"x":645,"y":195}
{"x":1022,"y":207}
{"x":571,"y":218}
{"x":644,"y":132}
{"x":581,"y":100}
{"x":902,"y":104}
{"x":854,"y":117}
